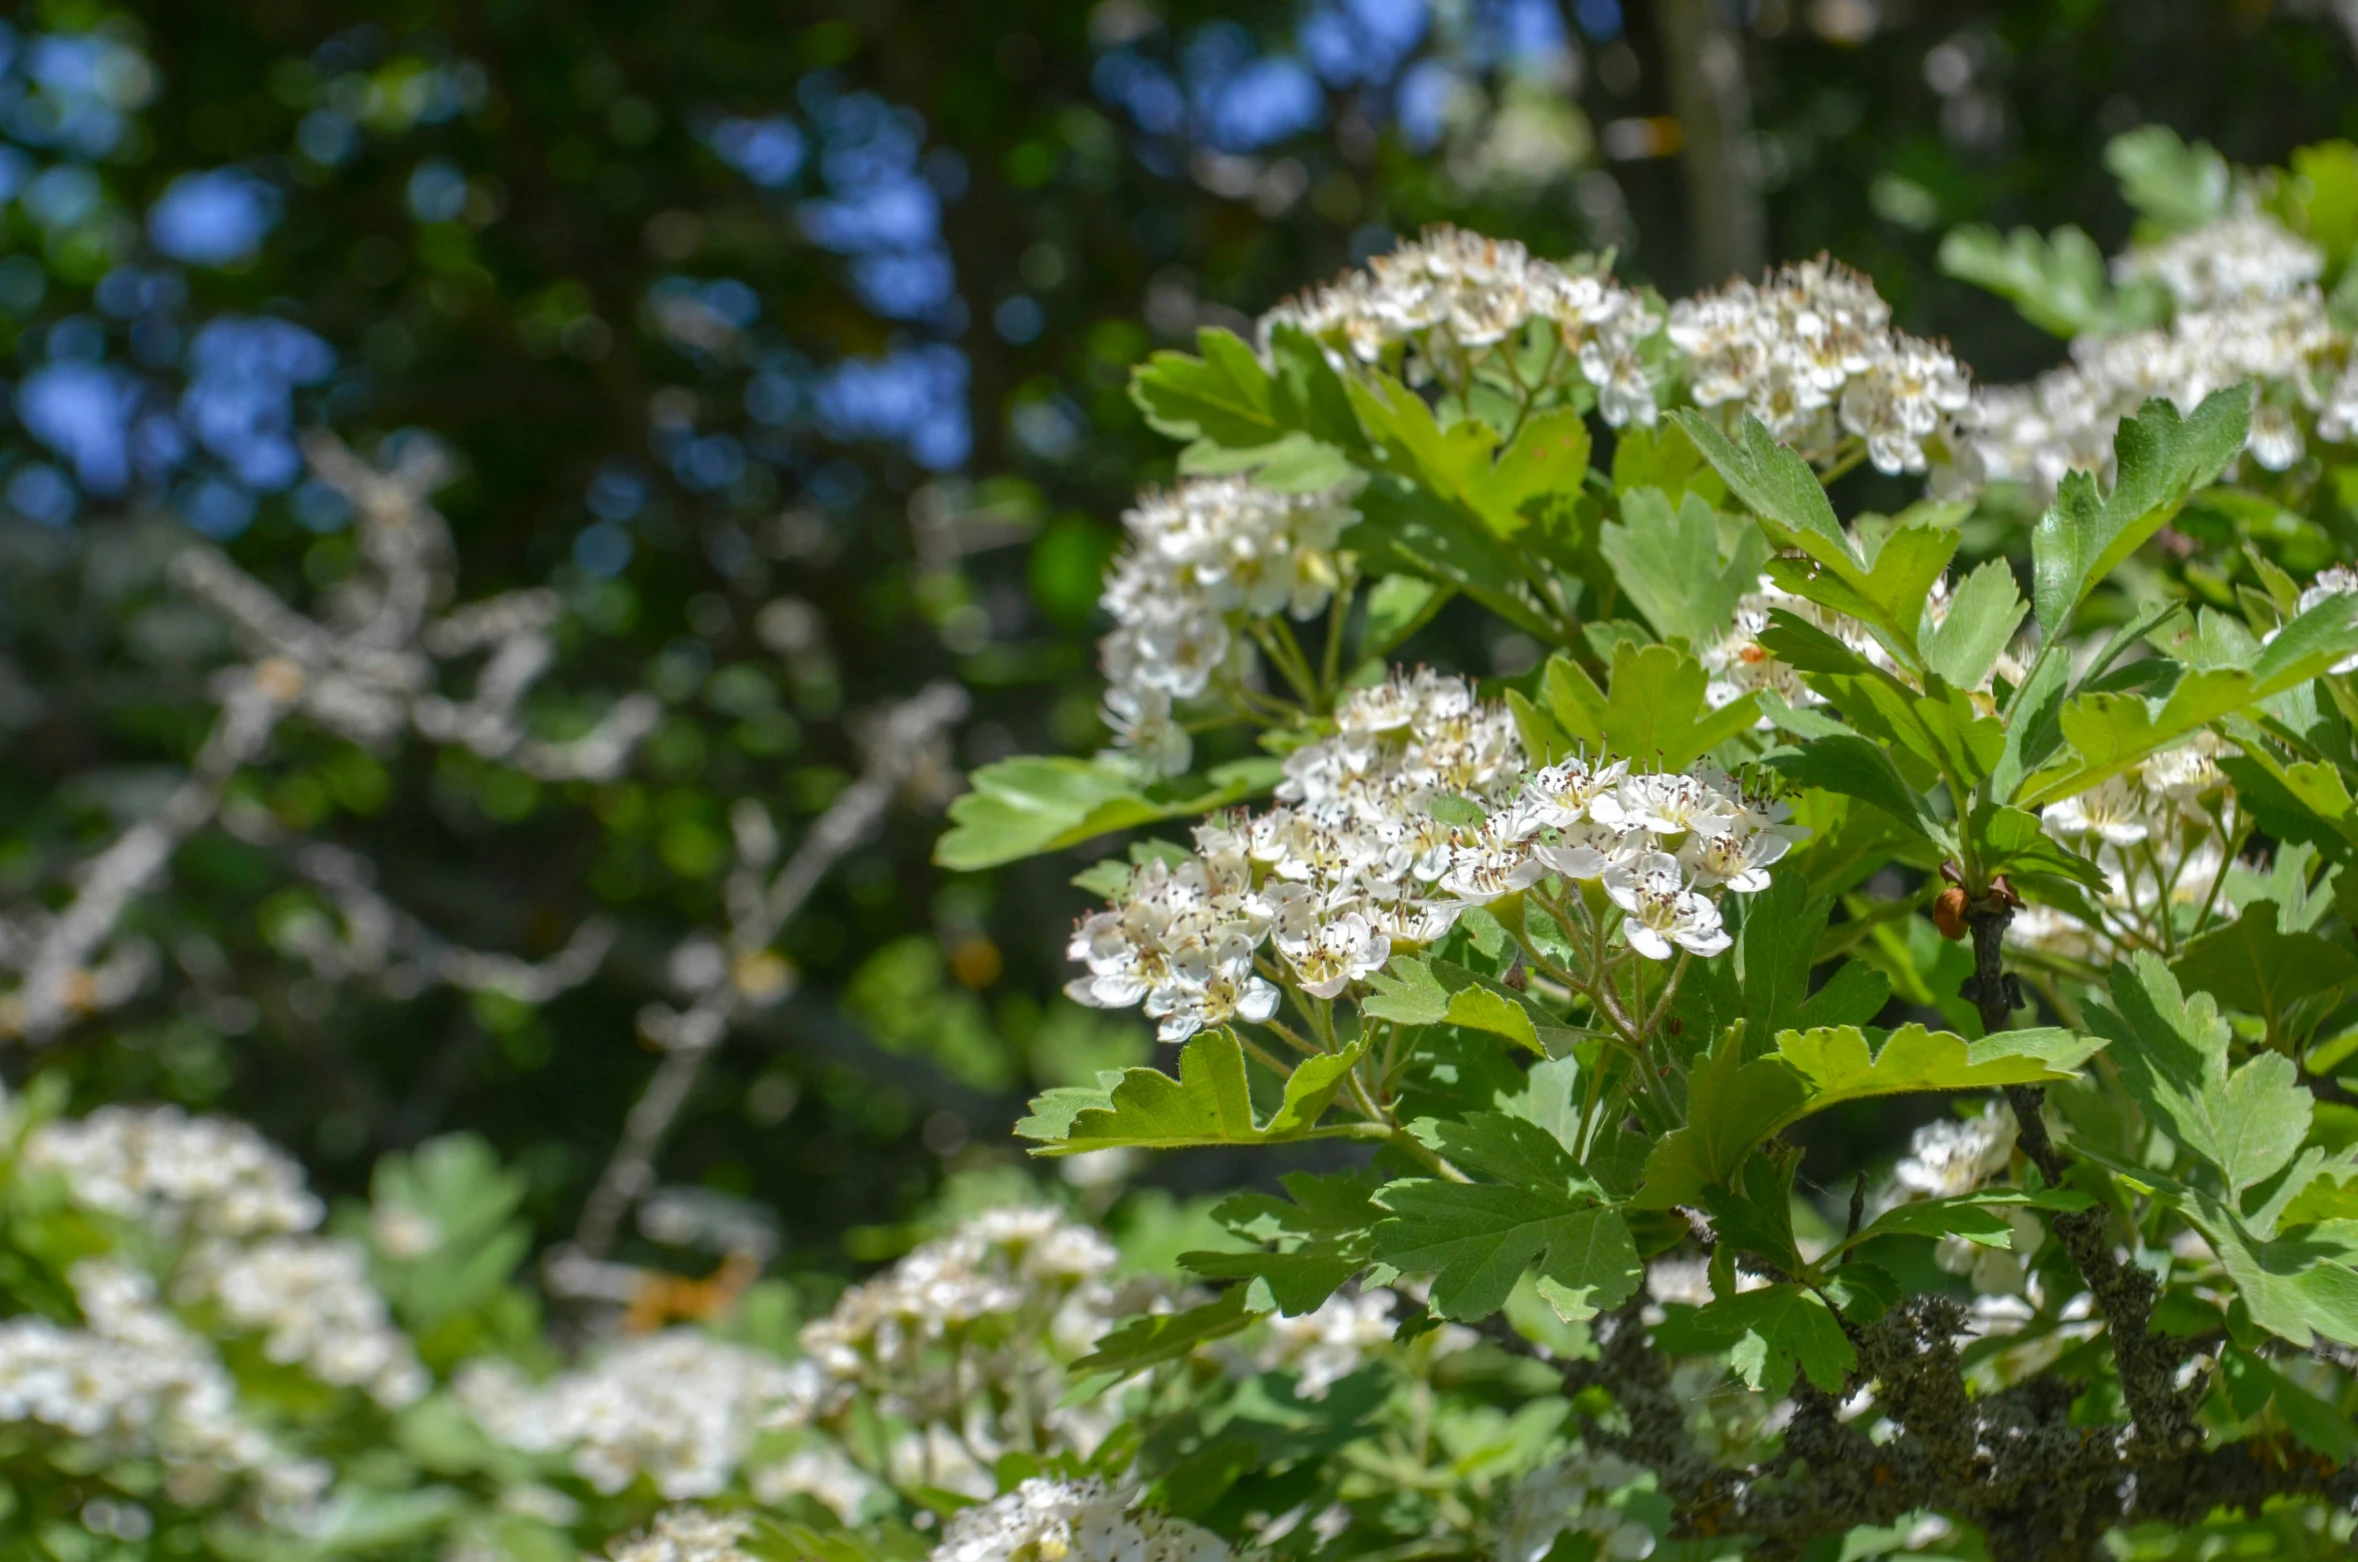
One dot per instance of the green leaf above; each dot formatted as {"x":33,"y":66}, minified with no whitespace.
{"x":1853,"y":995}
{"x":1513,"y":1149}
{"x":1664,"y":560}
{"x":1655,"y":711}
{"x":1406,"y":992}
{"x":1975,"y":1217}
{"x":1397,"y":607}
{"x":2012,"y":841}
{"x":1406,"y":441}
{"x":1225,"y":396}
{"x":1886,"y":593}
{"x":2250,"y":965}
{"x":1404,"y":529}
{"x":1777,"y":485}
{"x":1843,"y":1063}
{"x":1209,"y":1103}
{"x":2171,"y":1051}
{"x":1477,"y":1239}
{"x":1292,"y":463}
{"x":1022,"y":807}
{"x":1151,"y":1341}
{"x":2057,"y":280}
{"x":1663,"y":458}
{"x":1548,"y":458}
{"x":1852,"y":766}
{"x":1773,"y":1329}
{"x":1327,"y":1220}
{"x":2110,"y":732}
{"x":1775,"y":949}
{"x":2174,"y":185}
{"x":1418,"y":991}
{"x":1983,"y":614}
{"x":2253,"y":1386}
{"x":1731,"y":1106}
{"x":1755,"y":1215}
{"x":2296,"y":1286}
{"x":2160,"y":458}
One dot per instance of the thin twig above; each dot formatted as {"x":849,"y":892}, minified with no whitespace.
{"x":758,"y":912}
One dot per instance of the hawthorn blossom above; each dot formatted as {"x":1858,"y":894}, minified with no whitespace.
{"x":1051,"y":1520}
{"x":1203,"y":558}
{"x":1445,"y":300}
{"x":1810,"y":351}
{"x":1660,"y":911}
{"x":2246,"y":306}
{"x":2160,"y":833}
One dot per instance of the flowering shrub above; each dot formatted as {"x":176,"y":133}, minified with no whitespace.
{"x":2020,"y":816}
{"x":2022,"y":809}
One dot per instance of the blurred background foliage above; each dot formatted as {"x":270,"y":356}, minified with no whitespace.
{"x":789,"y":345}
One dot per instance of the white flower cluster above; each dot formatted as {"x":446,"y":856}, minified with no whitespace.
{"x":175,"y":1174}
{"x":1355,"y":861}
{"x":1954,"y":1156}
{"x":821,"y":1472}
{"x":967,"y":1335}
{"x":1449,"y":298}
{"x":1048,"y":1520}
{"x":1328,"y":1344}
{"x":2238,"y":257}
{"x":688,"y":1534}
{"x":311,"y":1299}
{"x":1574,"y":1495}
{"x":1811,"y":352}
{"x":135,"y":1382}
{"x":220,"y":1182}
{"x":1202,"y":557}
{"x":2247,"y":308}
{"x":1950,"y":1157}
{"x":2159,"y":831}
{"x":679,"y":1407}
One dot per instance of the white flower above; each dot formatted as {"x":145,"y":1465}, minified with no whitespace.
{"x":136,"y":1383}
{"x":1330,"y":1343}
{"x":2243,"y":256}
{"x":174,"y":1173}
{"x":1659,"y":910}
{"x":311,"y":1299}
{"x":688,"y":1534}
{"x":2114,"y":811}
{"x":1740,"y":856}
{"x":1448,"y":298}
{"x":1575,"y":1495}
{"x":1951,"y":1156}
{"x":1586,"y":850}
{"x":1810,"y":351}
{"x":1050,"y":1520}
{"x":679,"y":1407}
{"x":1668,"y":804}
{"x":1342,"y":952}
{"x":1140,"y":718}
{"x":2248,"y":308}
{"x":1482,"y":871}
{"x":1203,"y":557}
{"x":1558,"y":796}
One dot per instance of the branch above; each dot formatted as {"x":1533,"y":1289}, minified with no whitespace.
{"x":2161,"y":1410}
{"x":364,"y":668}
{"x":900,"y":744}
